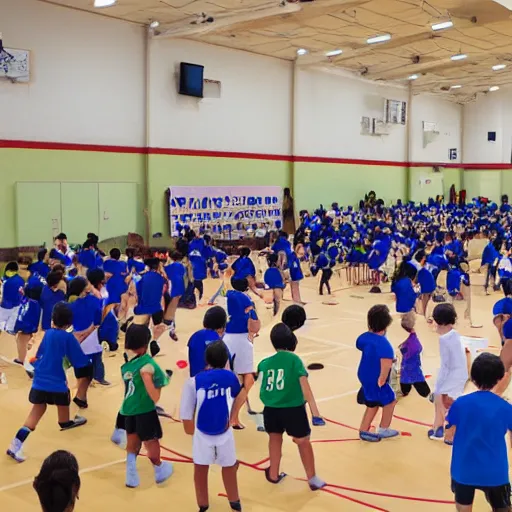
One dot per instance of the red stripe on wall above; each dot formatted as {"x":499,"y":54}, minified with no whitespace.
{"x":65,"y":146}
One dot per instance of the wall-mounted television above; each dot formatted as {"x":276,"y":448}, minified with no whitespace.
{"x":191,"y":79}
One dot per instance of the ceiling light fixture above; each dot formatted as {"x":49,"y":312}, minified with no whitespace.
{"x":498,"y":67}
{"x":494,"y":88}
{"x":455,"y":86}
{"x":379,"y":39}
{"x":104,"y":3}
{"x":154,"y":24}
{"x":459,"y":56}
{"x":302,"y":51}
{"x":333,"y":53}
{"x":443,"y":25}
{"x":413,"y":77}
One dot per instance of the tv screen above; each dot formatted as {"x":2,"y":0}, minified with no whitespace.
{"x":191,"y":79}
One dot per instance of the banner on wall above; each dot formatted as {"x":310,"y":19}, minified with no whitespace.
{"x":225,"y":211}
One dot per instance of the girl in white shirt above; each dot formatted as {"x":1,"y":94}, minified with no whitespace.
{"x":453,"y":374}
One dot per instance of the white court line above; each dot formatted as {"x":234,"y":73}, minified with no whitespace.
{"x":339,"y":366}
{"x":328,"y":342}
{"x":82,"y":472}
{"x":333,"y":397}
{"x":320,"y":352}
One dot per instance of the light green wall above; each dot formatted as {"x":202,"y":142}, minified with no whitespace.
{"x":487,"y":183}
{"x":451,"y":177}
{"x":63,"y":166}
{"x":325,"y":183}
{"x":165,"y":171}
{"x":440,"y":183}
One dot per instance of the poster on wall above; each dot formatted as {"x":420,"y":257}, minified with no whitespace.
{"x":225,"y":212}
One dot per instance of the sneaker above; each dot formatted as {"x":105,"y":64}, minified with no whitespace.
{"x":132,"y":477}
{"x":370,"y":437}
{"x":447,"y":442}
{"x":154,"y":348}
{"x":77,"y":421}
{"x":386,"y":433}
{"x":173,"y":335}
{"x":318,"y":421}
{"x":82,"y":404}
{"x":316,"y":483}
{"x":103,"y":382}
{"x":163,"y":472}
{"x":436,"y":435}
{"x":15,"y":450}
{"x":119,"y":438}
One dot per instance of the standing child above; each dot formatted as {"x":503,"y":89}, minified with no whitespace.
{"x":274,"y":279}
{"x":199,"y":271}
{"x":479,"y":456}
{"x":411,"y":373}
{"x":284,"y":392}
{"x":426,"y":281}
{"x":49,"y":386}
{"x":12,"y":293}
{"x":453,"y":374}
{"x":296,"y":275}
{"x":53,"y":292}
{"x":322,"y":263}
{"x":40,"y":267}
{"x":208,"y":397}
{"x":143,"y":380}
{"x":176,"y":274}
{"x":403,"y":288}
{"x":244,"y":268}
{"x":373,"y":373}
{"x":118,"y":280}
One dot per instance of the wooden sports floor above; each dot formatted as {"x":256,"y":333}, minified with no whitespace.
{"x":409,"y":473}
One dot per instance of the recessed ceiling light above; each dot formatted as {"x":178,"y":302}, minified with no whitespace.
{"x":494,"y":88}
{"x":302,"y":51}
{"x":455,"y":86}
{"x":379,"y":39}
{"x":498,"y":67}
{"x":154,"y":24}
{"x":104,"y":3}
{"x":333,"y":53}
{"x":413,"y":77}
{"x":442,"y":25}
{"x":459,"y":56}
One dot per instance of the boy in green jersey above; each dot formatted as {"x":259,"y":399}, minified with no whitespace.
{"x":144,"y":380}
{"x":284,"y":392}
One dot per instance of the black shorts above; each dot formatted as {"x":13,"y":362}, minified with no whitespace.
{"x":146,"y":426}
{"x":85,"y":372}
{"x":38,"y":397}
{"x":157,"y":317}
{"x":498,"y":497}
{"x":292,"y":420}
{"x":361,"y":400}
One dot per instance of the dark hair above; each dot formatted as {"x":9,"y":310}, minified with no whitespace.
{"x":294,"y":317}
{"x":216,"y":354}
{"x":88,"y":244}
{"x":96,"y":276}
{"x":444,"y":314}
{"x":152,"y":263}
{"x":176,"y":256}
{"x":77,"y":286}
{"x":130,"y":252}
{"x":137,"y":337}
{"x":379,"y":318}
{"x":12,"y":266}
{"x":215,"y":318}
{"x":487,"y":370}
{"x":58,"y":482}
{"x":420,"y":255}
{"x":33,"y":293}
{"x":62,"y":315}
{"x":115,"y":253}
{"x":41,"y":254}
{"x":282,"y":338}
{"x":54,"y":278}
{"x":240,"y":285}
{"x":61,"y":236}
{"x":244,"y":251}
{"x":59,"y":268}
{"x":507,"y":287}
{"x":272,"y":259}
{"x":283,"y":234}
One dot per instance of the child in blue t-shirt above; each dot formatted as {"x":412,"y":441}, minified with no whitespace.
{"x":49,"y":386}
{"x":199,"y":271}
{"x":118,"y":281}
{"x":244,"y":268}
{"x":27,"y":323}
{"x":53,"y":292}
{"x":177,"y":275}
{"x":214,"y":326}
{"x":274,"y":279}
{"x":208,"y":397}
{"x":40,"y":267}
{"x":12,"y":294}
{"x":426,"y":281}
{"x":479,"y":456}
{"x":373,"y":373}
{"x":403,"y":288}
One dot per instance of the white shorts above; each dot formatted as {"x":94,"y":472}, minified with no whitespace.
{"x":242,"y":352}
{"x":8,"y":318}
{"x":208,"y":450}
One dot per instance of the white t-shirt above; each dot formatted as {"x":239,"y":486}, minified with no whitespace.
{"x":453,"y":374}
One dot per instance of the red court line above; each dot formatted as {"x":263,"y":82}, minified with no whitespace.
{"x":354,"y":500}
{"x":333,"y":440}
{"x":409,"y":420}
{"x":340,"y":424}
{"x":186,"y":457}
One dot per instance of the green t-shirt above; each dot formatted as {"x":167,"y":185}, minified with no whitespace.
{"x":280,"y":380}
{"x":136,"y":399}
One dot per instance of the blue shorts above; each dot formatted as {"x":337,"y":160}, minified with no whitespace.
{"x":384,"y":396}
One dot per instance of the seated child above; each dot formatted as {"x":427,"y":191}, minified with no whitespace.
{"x":143,"y":380}
{"x":49,"y":386}
{"x":208,"y":397}
{"x":411,"y":373}
{"x":373,"y":373}
{"x":274,"y":279}
{"x":284,"y":392}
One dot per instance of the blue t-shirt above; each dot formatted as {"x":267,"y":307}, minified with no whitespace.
{"x":11,"y":294}
{"x":199,"y":270}
{"x":49,"y":374}
{"x":136,"y":266}
{"x":86,"y":312}
{"x":176,"y":272}
{"x":273,"y":278}
{"x":48,"y":299}
{"x":116,"y":284}
{"x":405,"y":295}
{"x":220,"y":258}
{"x":238,"y":302}
{"x":90,"y":259}
{"x":196,"y":348}
{"x":503,"y":307}
{"x":215,"y":390}
{"x":29,"y":316}
{"x":40,"y":268}
{"x":243,"y":267}
{"x":479,"y":456}
{"x":374,"y":347}
{"x":109,"y":328}
{"x":426,"y":281}
{"x":294,"y":266}
{"x":150,"y":290}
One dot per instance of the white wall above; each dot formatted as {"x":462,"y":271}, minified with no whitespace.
{"x":328,"y":115}
{"x":254,"y":111}
{"x":447,"y":115}
{"x":87,"y":77}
